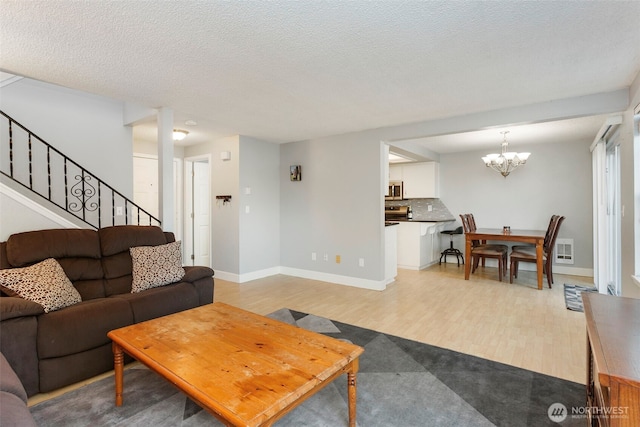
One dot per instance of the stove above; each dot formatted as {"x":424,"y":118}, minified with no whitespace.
{"x":395,"y":212}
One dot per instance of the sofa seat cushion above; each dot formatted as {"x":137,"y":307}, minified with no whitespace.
{"x":44,"y":283}
{"x":157,"y":302}
{"x":81,"y":327}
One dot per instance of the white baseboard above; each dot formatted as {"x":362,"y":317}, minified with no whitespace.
{"x":335,"y":278}
{"x":254,"y":275}
{"x":223,"y":275}
{"x":306,"y":274}
{"x":358,"y":282}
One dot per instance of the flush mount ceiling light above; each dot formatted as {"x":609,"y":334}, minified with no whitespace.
{"x":506,"y":161}
{"x":179,"y":134}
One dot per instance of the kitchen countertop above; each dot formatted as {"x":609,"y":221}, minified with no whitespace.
{"x":424,"y":220}
{"x":424,"y":210}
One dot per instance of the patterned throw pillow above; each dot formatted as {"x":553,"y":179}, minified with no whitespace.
{"x":44,"y":283}
{"x":155,"y":266}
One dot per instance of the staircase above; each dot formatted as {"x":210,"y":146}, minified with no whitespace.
{"x":33,"y":164}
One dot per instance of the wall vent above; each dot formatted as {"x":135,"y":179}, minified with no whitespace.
{"x":564,"y":251}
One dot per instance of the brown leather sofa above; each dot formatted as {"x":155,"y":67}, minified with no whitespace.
{"x":51,"y":350}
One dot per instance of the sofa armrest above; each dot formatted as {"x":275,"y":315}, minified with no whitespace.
{"x":11,"y":307}
{"x":193,"y":273}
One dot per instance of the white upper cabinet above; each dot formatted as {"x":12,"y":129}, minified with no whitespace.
{"x":395,"y":173}
{"x":421,"y":180}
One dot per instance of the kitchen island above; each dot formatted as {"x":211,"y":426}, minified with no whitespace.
{"x":419,"y":243}
{"x":390,"y":251}
{"x":418,"y":239}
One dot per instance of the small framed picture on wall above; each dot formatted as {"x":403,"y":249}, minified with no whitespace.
{"x":295,"y":172}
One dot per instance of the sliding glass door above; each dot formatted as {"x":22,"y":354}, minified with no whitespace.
{"x":614,"y":247}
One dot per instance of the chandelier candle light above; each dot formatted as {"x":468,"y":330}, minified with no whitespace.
{"x":506,"y":161}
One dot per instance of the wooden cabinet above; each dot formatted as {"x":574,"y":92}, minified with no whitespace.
{"x":421,"y":180}
{"x":613,"y":360}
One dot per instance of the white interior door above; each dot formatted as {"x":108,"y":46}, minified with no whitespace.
{"x":145,"y":183}
{"x":197,"y":236}
{"x":201,"y":216}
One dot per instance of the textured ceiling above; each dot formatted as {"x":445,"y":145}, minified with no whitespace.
{"x":285,"y":71}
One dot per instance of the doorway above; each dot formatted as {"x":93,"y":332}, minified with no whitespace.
{"x":614,"y":220}
{"x":607,"y":206}
{"x":197,"y":238}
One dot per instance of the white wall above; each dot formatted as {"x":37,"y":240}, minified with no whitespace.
{"x":630,"y":194}
{"x":225,"y":244}
{"x":555,"y":180}
{"x":243,"y":245}
{"x":337,"y":208}
{"x":86,"y":128}
{"x":26,"y":214}
{"x":259,"y":240}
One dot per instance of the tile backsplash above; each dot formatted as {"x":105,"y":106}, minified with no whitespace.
{"x":420,"y":208}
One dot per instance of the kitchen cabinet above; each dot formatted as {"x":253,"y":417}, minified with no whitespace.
{"x":395,"y":173}
{"x":390,"y":253}
{"x":418,"y":244}
{"x":420,"y":180}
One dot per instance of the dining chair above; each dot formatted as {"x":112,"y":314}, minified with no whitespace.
{"x":547,"y":236}
{"x":525,"y":254}
{"x":472,"y":224}
{"x":483,"y":251}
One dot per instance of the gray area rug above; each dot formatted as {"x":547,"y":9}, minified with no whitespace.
{"x":401,"y":383}
{"x":573,"y":296}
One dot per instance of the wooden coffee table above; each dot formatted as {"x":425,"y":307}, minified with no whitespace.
{"x":245,"y":369}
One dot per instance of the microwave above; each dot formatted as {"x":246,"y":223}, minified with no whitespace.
{"x":395,"y":191}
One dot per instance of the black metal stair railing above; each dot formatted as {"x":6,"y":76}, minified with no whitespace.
{"x":34,"y":164}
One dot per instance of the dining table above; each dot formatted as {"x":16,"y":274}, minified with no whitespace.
{"x":535,"y":237}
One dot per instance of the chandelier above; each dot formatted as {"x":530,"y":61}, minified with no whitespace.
{"x":506,"y":161}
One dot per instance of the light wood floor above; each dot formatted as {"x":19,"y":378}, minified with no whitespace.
{"x":514,"y":324}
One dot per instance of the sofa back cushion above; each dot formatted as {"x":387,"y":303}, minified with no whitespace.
{"x":115,"y":243}
{"x":77,"y":251}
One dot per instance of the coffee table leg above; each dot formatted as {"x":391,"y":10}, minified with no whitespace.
{"x":118,"y":365}
{"x":352,"y":387}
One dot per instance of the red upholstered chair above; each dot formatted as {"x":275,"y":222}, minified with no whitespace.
{"x":479,"y":250}
{"x":528,"y":253}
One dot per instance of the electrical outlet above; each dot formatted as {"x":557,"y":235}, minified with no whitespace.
{"x":337,"y":259}
{"x":118,"y":210}
{"x":247,"y":209}
{"x":326,"y":257}
{"x":313,"y":256}
{"x":361,"y":262}
{"x":429,"y":208}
